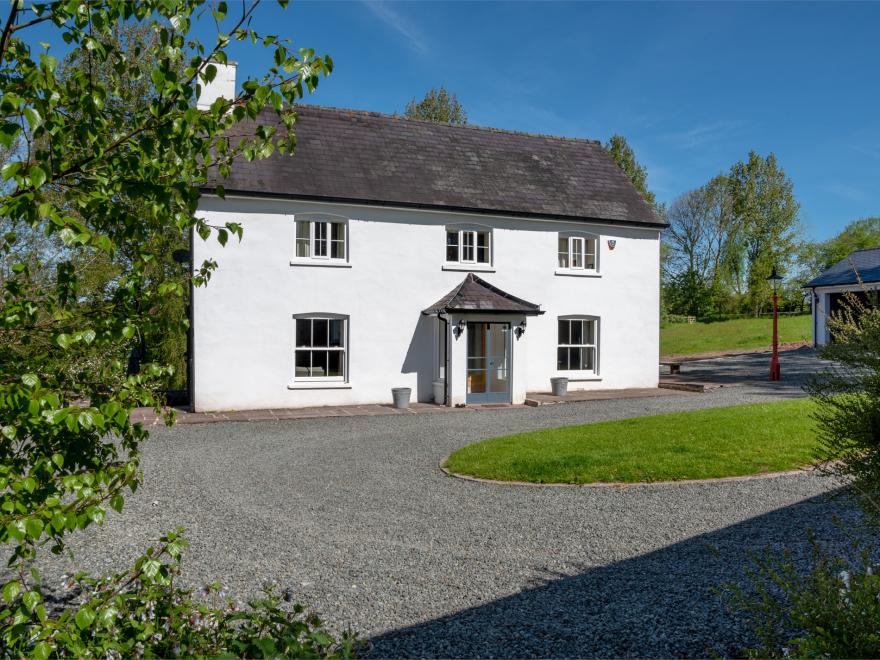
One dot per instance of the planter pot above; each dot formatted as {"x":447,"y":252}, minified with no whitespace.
{"x":439,"y":391}
{"x":559,"y":386}
{"x":400,"y":395}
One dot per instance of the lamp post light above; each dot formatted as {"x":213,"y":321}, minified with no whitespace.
{"x":774,"y":280}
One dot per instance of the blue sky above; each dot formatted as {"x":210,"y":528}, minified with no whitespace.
{"x":692,"y":86}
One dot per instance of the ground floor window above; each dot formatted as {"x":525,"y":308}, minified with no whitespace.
{"x":577,"y":348}
{"x":321,"y":348}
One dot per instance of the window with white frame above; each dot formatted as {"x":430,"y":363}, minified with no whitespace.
{"x":321,"y":237}
{"x":320,"y":353}
{"x":469,"y":245}
{"x":578,"y":344}
{"x":578,"y":252}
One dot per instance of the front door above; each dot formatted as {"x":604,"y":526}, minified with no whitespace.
{"x":488,"y":362}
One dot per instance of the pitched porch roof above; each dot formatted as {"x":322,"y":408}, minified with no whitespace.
{"x":477,"y":295}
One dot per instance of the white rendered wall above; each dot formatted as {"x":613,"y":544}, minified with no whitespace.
{"x":243,"y":320}
{"x":223,"y":85}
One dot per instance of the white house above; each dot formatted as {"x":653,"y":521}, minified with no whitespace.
{"x":390,"y":252}
{"x":858,"y":275}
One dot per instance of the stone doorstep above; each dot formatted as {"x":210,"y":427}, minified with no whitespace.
{"x":546,"y":399}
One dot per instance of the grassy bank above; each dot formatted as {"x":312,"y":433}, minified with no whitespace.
{"x":690,"y":338}
{"x":719,"y":442}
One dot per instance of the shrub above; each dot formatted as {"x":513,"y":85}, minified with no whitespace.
{"x":105,"y":172}
{"x":832,"y":610}
{"x":140,"y":613}
{"x":847,"y":395}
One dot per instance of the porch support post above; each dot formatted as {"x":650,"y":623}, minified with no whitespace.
{"x":519,"y":342}
{"x":457,"y":372}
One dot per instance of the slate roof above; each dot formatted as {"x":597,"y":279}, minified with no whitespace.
{"x":477,"y":295}
{"x":366,"y":157}
{"x":866,"y":262}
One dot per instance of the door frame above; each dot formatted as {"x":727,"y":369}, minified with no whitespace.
{"x":491,"y":397}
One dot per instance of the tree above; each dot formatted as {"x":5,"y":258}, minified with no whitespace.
{"x":438,"y":106}
{"x":106,"y":166}
{"x":139,"y":47}
{"x":766,"y":213}
{"x":814,"y":257}
{"x":625,"y":158}
{"x":701,"y":224}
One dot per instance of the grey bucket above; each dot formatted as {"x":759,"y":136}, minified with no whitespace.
{"x":439,"y":387}
{"x":401,"y":396}
{"x":559,"y":386}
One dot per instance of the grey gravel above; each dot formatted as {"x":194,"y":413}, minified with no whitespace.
{"x":354,"y":515}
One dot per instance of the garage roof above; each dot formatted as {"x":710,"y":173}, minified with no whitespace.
{"x":861,"y":265}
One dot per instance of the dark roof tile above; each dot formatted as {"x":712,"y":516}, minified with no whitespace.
{"x":366,"y":157}
{"x":477,"y":295}
{"x":861,"y":264}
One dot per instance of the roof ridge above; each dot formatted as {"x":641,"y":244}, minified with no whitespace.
{"x":470,"y":127}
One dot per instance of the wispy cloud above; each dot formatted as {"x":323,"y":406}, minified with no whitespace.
{"x":705,"y":133}
{"x":866,"y":151}
{"x":846,"y":191}
{"x":400,"y":24}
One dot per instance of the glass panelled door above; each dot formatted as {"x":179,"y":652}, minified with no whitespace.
{"x":488,"y":362}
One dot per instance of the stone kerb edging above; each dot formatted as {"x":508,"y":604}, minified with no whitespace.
{"x":621,"y":484}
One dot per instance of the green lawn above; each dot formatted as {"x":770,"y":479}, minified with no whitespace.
{"x":719,"y":442}
{"x":690,"y":338}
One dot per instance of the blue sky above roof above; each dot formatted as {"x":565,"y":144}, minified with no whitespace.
{"x":692,"y":86}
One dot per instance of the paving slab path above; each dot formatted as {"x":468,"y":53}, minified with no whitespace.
{"x":353,"y":514}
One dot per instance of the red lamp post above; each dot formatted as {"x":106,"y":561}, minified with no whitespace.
{"x":774,"y":280}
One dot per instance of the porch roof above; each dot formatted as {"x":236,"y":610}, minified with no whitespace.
{"x":477,"y":295}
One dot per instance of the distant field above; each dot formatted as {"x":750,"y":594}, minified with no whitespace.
{"x":690,"y":338}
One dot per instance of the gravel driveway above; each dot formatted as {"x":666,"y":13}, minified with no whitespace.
{"x":355,"y":516}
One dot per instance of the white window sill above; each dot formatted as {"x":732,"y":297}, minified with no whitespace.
{"x":318,"y":385}
{"x":326,"y":263}
{"x":573,"y":272}
{"x":475,"y":268}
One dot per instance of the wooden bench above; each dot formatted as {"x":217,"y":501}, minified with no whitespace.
{"x":674,"y":367}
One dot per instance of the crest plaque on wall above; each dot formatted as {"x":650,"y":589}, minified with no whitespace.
{"x":611,"y":243}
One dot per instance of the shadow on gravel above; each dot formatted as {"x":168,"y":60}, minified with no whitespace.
{"x":658,"y":604}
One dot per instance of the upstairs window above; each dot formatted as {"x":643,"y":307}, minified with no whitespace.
{"x":320,"y":352}
{"x":577,"y":348}
{"x":320,"y":238}
{"x":468,"y":245}
{"x":578,"y":252}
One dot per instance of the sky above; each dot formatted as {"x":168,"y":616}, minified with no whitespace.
{"x":692,"y":86}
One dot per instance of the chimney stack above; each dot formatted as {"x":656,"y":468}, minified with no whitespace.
{"x":223,"y":86}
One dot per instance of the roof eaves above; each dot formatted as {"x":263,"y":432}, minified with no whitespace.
{"x":643,"y":224}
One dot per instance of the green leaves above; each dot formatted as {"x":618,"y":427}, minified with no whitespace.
{"x":11,"y":590}
{"x":94,"y":203}
{"x":9,"y":131}
{"x":33,"y":117}
{"x":84,"y":617}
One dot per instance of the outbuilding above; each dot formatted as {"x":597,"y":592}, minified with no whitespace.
{"x":858,"y":275}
